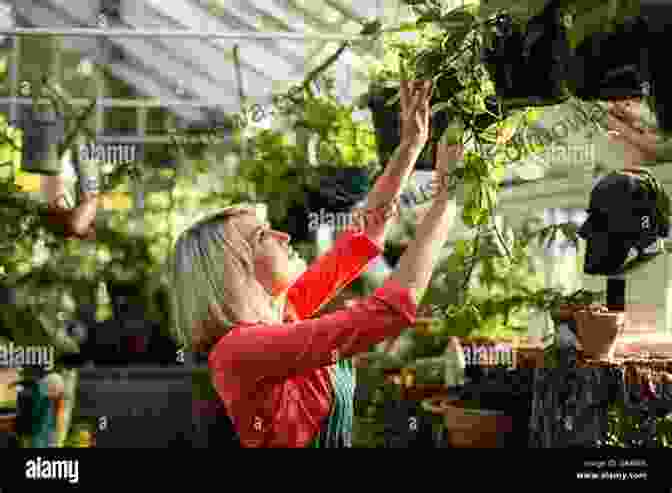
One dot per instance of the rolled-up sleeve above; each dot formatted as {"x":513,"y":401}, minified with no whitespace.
{"x":349,"y":256}
{"x":279,"y":351}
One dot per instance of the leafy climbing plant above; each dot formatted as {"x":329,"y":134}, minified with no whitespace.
{"x":448,"y":50}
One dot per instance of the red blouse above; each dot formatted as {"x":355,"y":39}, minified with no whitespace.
{"x":274,"y":379}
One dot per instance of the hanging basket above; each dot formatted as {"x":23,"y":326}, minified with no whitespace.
{"x":612,"y":65}
{"x":470,"y":428}
{"x":597,"y":332}
{"x":337,"y":191}
{"x":530,"y":65}
{"x":42,"y":134}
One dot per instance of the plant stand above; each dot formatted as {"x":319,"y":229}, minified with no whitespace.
{"x":571,"y":402}
{"x":647,"y":296}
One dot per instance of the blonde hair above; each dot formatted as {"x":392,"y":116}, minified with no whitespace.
{"x":213,"y":282}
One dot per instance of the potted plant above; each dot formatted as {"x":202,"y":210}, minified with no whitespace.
{"x":469,"y":426}
{"x":597,"y":330}
{"x":594,"y":326}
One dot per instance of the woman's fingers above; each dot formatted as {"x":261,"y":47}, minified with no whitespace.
{"x":403,"y":89}
{"x":424,"y":93}
{"x":429,"y":90}
{"x":414,"y":94}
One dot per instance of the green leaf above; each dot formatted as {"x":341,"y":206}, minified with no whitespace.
{"x":371,"y":28}
{"x":393,"y":100}
{"x":570,"y":230}
{"x":407,"y":27}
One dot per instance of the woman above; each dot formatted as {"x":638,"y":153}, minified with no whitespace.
{"x":285,"y":380}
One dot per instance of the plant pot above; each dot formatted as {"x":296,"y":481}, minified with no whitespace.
{"x":530,"y":357}
{"x":565,"y":313}
{"x":8,"y":423}
{"x":597,"y":332}
{"x":532,"y":75}
{"x":81,"y":436}
{"x":470,"y":428}
{"x":386,"y":120}
{"x":619,"y":70}
{"x":42,"y":134}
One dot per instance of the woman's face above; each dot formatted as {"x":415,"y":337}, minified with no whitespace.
{"x":274,"y":259}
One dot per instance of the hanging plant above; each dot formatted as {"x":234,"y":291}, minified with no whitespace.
{"x":324,"y":166}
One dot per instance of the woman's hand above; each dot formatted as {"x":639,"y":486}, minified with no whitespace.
{"x":448,"y":155}
{"x":415,"y":112}
{"x":624,"y":128}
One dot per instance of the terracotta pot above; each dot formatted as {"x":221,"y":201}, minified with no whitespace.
{"x":8,"y":423}
{"x":597,"y":332}
{"x":419,"y":393}
{"x":565,"y":313}
{"x":470,"y":428}
{"x":530,"y":357}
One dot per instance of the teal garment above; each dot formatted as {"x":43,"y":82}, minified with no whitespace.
{"x":43,"y":420}
{"x":338,"y":431}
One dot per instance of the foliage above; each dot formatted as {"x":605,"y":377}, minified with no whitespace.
{"x":447,"y":50}
{"x":504,"y":286}
{"x":626,"y":429}
{"x":282,"y":166}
